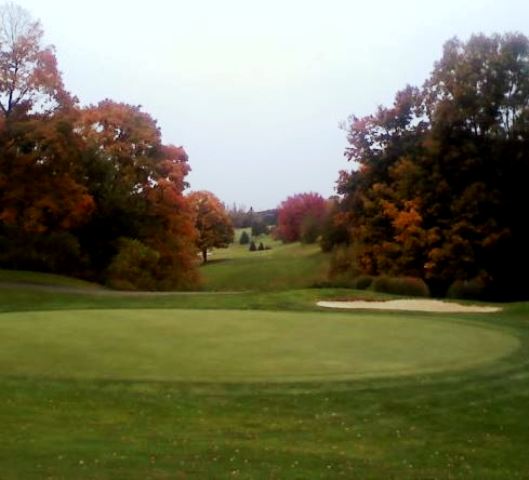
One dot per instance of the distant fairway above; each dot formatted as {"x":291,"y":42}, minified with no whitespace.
{"x":240,"y":346}
{"x":285,"y":266}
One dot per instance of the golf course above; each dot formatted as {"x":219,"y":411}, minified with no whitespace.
{"x":255,"y":382}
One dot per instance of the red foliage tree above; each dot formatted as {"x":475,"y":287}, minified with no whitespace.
{"x":299,"y":212}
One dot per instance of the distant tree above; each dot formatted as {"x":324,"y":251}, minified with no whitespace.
{"x":244,"y":238}
{"x":212,"y":222}
{"x":252,"y":248}
{"x":258,"y":227}
{"x":296,"y":211}
{"x":239,"y":216}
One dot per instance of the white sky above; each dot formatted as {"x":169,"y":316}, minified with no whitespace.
{"x":255,"y":90}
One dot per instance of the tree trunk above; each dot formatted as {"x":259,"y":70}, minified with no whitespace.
{"x":205,"y":255}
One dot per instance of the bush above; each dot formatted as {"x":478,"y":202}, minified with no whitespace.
{"x":344,"y":261}
{"x":310,"y":229}
{"x":252,"y":248}
{"x":244,"y":238}
{"x":474,"y":289}
{"x":57,"y":252}
{"x":408,"y":286}
{"x":261,"y":246}
{"x":363,"y":282}
{"x":134,"y":267}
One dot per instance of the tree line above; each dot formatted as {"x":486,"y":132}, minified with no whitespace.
{"x":438,"y":184}
{"x":90,"y":191}
{"x":436,"y":189}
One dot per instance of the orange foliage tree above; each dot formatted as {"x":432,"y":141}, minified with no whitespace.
{"x":142,"y":188}
{"x":42,"y":196}
{"x":439,"y":177}
{"x":212,"y":222}
{"x":29,"y":78}
{"x":85,"y":191}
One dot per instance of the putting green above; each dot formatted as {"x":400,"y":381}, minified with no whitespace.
{"x":221,"y":345}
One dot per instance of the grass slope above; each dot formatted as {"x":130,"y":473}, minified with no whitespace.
{"x":38,"y":278}
{"x":282,"y":267}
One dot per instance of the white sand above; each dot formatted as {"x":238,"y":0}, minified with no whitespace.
{"x":419,"y":305}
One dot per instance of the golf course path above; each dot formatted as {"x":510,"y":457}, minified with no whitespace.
{"x":415,"y":305}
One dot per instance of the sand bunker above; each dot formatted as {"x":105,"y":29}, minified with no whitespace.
{"x":418,"y":305}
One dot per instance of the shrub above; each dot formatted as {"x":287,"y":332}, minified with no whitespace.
{"x":244,"y":238}
{"x":363,"y":282}
{"x":57,"y":252}
{"x":252,"y":248}
{"x":408,"y":286}
{"x":261,"y":246}
{"x":344,"y":261}
{"x":310,"y":229}
{"x":474,"y":289}
{"x":134,"y":267}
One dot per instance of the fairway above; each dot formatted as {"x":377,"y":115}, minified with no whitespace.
{"x":240,"y":346}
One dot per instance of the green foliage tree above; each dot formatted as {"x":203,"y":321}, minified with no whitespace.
{"x":134,"y":266}
{"x":253,"y":247}
{"x":258,"y":227}
{"x":244,"y":239}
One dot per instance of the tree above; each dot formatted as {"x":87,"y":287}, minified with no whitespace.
{"x":245,"y":238}
{"x":170,"y":224}
{"x":42,"y":195}
{"x":82,"y":189}
{"x":438,"y":176}
{"x":258,"y":227}
{"x":29,"y":78}
{"x":297,"y":210}
{"x":239,"y":216}
{"x":212,"y":222}
{"x":137,"y":183}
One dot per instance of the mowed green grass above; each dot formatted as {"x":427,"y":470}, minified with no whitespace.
{"x":83,"y":397}
{"x":284,"y":266}
{"x":234,"y":346}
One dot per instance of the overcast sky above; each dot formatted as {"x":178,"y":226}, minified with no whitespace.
{"x":255,"y":91}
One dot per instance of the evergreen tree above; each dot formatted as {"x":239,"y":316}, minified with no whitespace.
{"x":244,"y":238}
